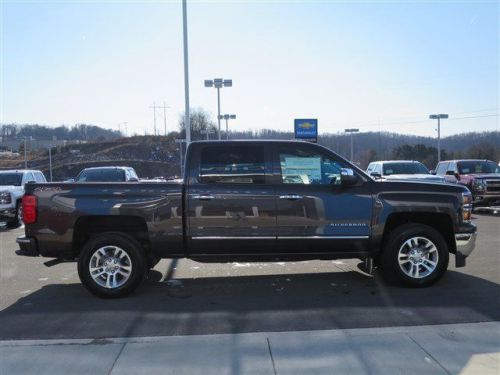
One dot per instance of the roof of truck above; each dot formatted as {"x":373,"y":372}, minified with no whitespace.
{"x":19,"y":170}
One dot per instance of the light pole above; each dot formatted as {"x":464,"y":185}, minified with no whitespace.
{"x":187,"y":121}
{"x":352,"y":144}
{"x":439,"y":117}
{"x":25,"y":155}
{"x":50,"y":162}
{"x":218,"y":83}
{"x":227,"y":118}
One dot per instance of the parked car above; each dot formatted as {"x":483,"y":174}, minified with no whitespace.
{"x":410,"y":170}
{"x":480,"y":176}
{"x":107,"y":174}
{"x":12,"y":184}
{"x":237,"y":203}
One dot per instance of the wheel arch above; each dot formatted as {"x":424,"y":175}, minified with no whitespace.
{"x":130,"y":226}
{"x":439,"y":221}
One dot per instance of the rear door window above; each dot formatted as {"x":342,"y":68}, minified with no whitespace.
{"x":232,"y":165}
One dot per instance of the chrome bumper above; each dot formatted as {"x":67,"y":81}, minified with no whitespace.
{"x":466,"y":242}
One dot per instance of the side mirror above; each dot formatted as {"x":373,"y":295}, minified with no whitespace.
{"x":347,"y":177}
{"x":375,"y":175}
{"x":432,"y":171}
{"x":133,"y":179}
{"x":70,"y":180}
{"x":453,"y":173}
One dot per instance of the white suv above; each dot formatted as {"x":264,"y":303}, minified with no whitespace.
{"x":11,"y":192}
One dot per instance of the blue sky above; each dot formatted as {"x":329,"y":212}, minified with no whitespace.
{"x":373,"y":65}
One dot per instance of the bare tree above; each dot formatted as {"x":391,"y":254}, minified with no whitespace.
{"x":200,"y":122}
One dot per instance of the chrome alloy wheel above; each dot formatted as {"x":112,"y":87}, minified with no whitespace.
{"x":418,"y":257}
{"x":110,"y":267}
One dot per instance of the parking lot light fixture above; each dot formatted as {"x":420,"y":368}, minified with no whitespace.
{"x":218,"y":83}
{"x":439,"y":117}
{"x":227,"y":117}
{"x":351,"y":131}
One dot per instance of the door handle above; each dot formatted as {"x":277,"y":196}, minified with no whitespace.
{"x":203,"y":197}
{"x":291,"y":197}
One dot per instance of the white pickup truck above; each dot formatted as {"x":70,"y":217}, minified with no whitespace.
{"x":11,"y":192}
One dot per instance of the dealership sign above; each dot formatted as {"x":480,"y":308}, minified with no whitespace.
{"x":306,"y":129}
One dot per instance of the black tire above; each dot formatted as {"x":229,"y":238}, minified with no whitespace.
{"x":18,"y":220}
{"x":390,"y":264}
{"x":134,"y":255}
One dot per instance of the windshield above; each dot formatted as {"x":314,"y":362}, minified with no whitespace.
{"x":101,"y":175}
{"x":404,"y":168}
{"x":11,"y":179}
{"x":479,"y":166}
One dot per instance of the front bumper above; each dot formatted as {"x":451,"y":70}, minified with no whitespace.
{"x":465,"y":244}
{"x":483,"y":198}
{"x":7,"y":213}
{"x":27,"y":247}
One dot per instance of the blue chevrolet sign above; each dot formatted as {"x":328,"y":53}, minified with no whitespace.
{"x":306,"y":129}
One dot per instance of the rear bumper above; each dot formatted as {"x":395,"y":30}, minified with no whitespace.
{"x":27,"y":247}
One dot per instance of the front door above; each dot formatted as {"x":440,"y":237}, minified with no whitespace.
{"x":315,"y":213}
{"x":231,"y":207}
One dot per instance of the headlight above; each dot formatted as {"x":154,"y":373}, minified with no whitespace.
{"x":5,"y":197}
{"x":466,"y":207}
{"x":479,"y":185}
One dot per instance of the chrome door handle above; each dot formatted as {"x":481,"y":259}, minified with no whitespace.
{"x":203,"y":197}
{"x":291,"y":197}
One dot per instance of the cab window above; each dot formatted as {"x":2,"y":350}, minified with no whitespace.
{"x":304,"y":166}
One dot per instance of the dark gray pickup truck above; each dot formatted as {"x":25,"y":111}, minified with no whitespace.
{"x":249,"y":201}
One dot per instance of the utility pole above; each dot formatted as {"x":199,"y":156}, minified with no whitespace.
{"x":165,"y":117}
{"x":154,"y":117}
{"x":439,"y":117}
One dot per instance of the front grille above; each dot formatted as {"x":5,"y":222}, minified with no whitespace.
{"x":493,"y":186}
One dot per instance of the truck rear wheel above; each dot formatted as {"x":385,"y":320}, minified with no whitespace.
{"x":415,"y":255}
{"x":111,"y":265}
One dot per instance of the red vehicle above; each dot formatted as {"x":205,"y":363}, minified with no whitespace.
{"x":480,"y":176}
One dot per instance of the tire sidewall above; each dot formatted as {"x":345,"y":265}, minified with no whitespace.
{"x":390,"y":262}
{"x":127,"y":244}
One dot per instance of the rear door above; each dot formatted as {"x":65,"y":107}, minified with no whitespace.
{"x":231,"y":206}
{"x":315,"y":213}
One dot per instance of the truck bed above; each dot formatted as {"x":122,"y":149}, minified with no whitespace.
{"x":154,"y":208}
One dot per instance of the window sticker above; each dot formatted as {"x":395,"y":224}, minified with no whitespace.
{"x":301,"y":167}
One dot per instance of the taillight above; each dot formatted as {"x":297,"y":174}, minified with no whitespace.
{"x":29,"y":209}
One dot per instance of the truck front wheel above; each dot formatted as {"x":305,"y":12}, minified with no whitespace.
{"x":111,"y":265}
{"x":415,"y":255}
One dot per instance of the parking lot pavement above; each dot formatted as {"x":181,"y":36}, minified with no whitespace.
{"x":49,"y":303}
{"x":471,"y":348}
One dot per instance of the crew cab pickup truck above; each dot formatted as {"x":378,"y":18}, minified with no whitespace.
{"x":480,"y":177}
{"x":12,"y":183}
{"x":250,"y":201}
